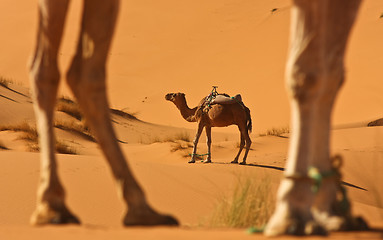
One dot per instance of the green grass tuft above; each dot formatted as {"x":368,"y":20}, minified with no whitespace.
{"x":250,"y":204}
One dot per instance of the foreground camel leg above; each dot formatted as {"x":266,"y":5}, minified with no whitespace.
{"x":86,"y":78}
{"x":315,"y":72}
{"x":45,"y":77}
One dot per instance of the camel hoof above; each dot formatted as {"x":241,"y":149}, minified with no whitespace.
{"x":242,"y":163}
{"x":192,"y":161}
{"x":234,"y":161}
{"x":297,"y":228}
{"x":349,"y":223}
{"x":45,"y":215}
{"x":149,"y":218}
{"x":360,"y":224}
{"x":207,"y":161}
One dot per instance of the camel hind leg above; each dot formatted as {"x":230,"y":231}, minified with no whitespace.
{"x":86,"y":79}
{"x":45,"y":77}
{"x":245,"y":142}
{"x":241,"y":146}
{"x":248,"y":145}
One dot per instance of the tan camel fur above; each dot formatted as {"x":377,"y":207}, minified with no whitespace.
{"x":314,"y":74}
{"x":86,"y":78}
{"x":219,"y":115}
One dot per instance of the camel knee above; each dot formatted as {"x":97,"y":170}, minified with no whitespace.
{"x":242,"y":143}
{"x":248,"y":143}
{"x":85,"y":76}
{"x":45,"y":78}
{"x":310,"y":85}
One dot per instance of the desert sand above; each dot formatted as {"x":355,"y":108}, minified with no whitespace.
{"x":185,"y":46}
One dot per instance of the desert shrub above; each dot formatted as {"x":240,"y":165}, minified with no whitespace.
{"x":180,"y":145}
{"x":183,"y":136}
{"x":4,"y":82}
{"x":2,"y":146}
{"x":180,"y":136}
{"x":121,"y":113}
{"x":63,"y":148}
{"x":250,"y":204}
{"x":70,"y":107}
{"x":184,"y":148}
{"x":75,"y":127}
{"x":278,"y":132}
{"x":29,"y":134}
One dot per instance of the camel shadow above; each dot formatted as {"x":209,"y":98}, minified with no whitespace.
{"x":282,"y":169}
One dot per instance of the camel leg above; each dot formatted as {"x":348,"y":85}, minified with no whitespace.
{"x":315,"y":72}
{"x":248,"y":145}
{"x":241,"y":146}
{"x":45,"y":77}
{"x":86,"y":79}
{"x":208,"y":136}
{"x":195,"y":142}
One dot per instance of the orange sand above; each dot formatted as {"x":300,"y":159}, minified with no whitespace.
{"x":185,"y":46}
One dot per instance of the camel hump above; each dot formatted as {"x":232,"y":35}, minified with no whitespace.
{"x":223,"y":99}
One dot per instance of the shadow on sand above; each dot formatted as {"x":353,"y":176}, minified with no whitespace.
{"x":282,"y":169}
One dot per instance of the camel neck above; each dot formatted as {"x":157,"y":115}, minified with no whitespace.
{"x":186,"y":112}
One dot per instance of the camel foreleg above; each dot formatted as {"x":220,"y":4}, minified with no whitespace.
{"x":195,"y":142}
{"x":44,"y":73}
{"x":208,"y":142}
{"x":87,"y":80}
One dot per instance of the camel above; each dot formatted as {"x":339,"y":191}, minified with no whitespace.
{"x":215,"y":115}
{"x":86,"y":78}
{"x":310,"y":198}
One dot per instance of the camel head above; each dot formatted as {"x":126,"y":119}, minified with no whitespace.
{"x":175,"y":97}
{"x":179,"y":100}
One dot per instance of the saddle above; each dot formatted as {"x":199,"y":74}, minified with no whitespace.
{"x":224,"y":99}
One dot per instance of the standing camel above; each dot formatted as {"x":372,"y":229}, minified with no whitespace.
{"x":310,"y":198}
{"x":86,"y":78}
{"x":215,"y":115}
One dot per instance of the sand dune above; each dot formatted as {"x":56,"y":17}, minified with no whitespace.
{"x":185,"y":46}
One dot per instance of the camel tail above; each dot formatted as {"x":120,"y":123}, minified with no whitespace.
{"x":249,"y":122}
